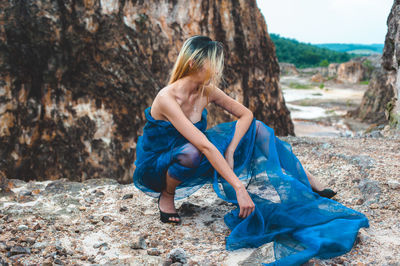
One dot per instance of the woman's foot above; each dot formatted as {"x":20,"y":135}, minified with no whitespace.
{"x":318,"y":188}
{"x":166,"y":205}
{"x":327,"y":193}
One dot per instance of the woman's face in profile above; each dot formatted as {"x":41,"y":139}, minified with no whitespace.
{"x":205,"y":72}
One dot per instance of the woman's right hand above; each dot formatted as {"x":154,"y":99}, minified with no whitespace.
{"x":245,"y":202}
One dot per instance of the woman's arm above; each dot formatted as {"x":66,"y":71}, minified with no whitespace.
{"x":245,"y":116}
{"x":173,"y":112}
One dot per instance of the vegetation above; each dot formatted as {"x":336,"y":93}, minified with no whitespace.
{"x":304,"y":55}
{"x":295,"y":85}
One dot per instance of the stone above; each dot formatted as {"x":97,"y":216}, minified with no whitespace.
{"x":332,"y":70}
{"x":351,"y":72}
{"x":99,"y":193}
{"x":59,"y":186}
{"x":374,"y":206}
{"x":139,"y":243}
{"x":317,"y":78}
{"x":393,"y":184}
{"x":107,"y":219}
{"x":15,"y":250}
{"x":40,"y":245}
{"x":58,"y":262}
{"x":36,"y":226}
{"x":177,"y":255}
{"x":123,"y":209}
{"x":153,"y":252}
{"x":370,"y":190}
{"x":127,"y":196}
{"x":25,"y":193}
{"x":359,"y":201}
{"x":23,"y":227}
{"x":326,"y":146}
{"x":98,"y":245}
{"x":288,"y":69}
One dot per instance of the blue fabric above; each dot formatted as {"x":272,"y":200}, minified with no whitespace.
{"x":302,"y":224}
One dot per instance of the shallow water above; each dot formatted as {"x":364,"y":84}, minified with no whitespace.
{"x":311,"y":106}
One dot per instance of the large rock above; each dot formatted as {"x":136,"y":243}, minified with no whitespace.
{"x":288,"y":69}
{"x":332,"y":69}
{"x":76,"y":77}
{"x":383,"y":93}
{"x":373,"y":104}
{"x":350,"y":72}
{"x":355,"y":70}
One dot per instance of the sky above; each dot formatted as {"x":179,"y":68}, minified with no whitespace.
{"x":328,"y":21}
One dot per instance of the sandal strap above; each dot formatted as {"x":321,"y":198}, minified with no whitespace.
{"x":165,"y":217}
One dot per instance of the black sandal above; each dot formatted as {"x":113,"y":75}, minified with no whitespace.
{"x":327,"y":193}
{"x":164,"y":216}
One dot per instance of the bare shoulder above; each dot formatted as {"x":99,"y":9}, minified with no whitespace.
{"x":163,"y":96}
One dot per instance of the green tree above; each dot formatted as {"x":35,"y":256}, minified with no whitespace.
{"x":324,"y":63}
{"x":304,"y":54}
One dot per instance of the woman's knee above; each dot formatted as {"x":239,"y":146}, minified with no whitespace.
{"x":190,"y":156}
{"x":263,"y":130}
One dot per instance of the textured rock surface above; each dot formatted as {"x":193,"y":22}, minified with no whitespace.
{"x":384,"y":89}
{"x":288,"y":69}
{"x":99,"y":221}
{"x":76,"y":76}
{"x":380,"y":92}
{"x":350,"y":72}
{"x":332,"y":69}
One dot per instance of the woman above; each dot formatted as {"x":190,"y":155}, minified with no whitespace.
{"x":177,"y":154}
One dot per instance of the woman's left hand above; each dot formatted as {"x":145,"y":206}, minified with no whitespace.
{"x":229,"y":157}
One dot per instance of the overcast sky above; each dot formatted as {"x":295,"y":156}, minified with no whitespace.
{"x":328,"y":21}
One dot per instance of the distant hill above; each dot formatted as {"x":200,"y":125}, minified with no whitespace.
{"x":304,"y":55}
{"x":364,"y":49}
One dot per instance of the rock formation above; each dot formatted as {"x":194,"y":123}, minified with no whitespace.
{"x":356,"y":70}
{"x":350,"y":72}
{"x":332,"y":69}
{"x":380,"y":92}
{"x":381,"y":101}
{"x":288,"y":69}
{"x":318,"y":78}
{"x":76,"y":76}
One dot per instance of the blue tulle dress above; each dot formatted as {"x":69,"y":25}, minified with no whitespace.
{"x":302,"y":224}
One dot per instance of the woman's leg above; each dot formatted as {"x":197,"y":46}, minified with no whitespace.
{"x":190,"y":157}
{"x":167,"y":203}
{"x":315,"y":184}
{"x":262,"y":141}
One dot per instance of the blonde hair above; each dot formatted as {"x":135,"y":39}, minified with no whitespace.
{"x":198,"y":49}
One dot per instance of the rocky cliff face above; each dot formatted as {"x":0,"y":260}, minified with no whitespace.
{"x":381,"y":101}
{"x":76,"y":76}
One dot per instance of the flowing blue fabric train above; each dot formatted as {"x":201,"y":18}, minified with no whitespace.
{"x":302,"y":224}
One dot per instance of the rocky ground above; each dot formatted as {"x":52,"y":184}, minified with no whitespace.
{"x":102,"y":222}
